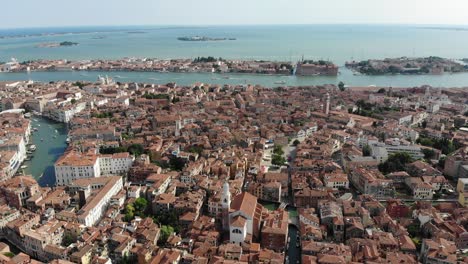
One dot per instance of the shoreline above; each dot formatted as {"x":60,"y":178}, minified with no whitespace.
{"x":346,"y":76}
{"x":238,"y":66}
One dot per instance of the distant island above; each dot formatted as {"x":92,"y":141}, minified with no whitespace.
{"x":405,"y":65}
{"x":203,"y":38}
{"x":57,"y":44}
{"x":446,"y":28}
{"x":313,"y":68}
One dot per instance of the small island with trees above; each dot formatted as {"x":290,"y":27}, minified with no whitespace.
{"x":405,"y":65}
{"x":57,"y":44}
{"x":203,"y":38}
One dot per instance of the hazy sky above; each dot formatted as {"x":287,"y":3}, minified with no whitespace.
{"x":38,"y":13}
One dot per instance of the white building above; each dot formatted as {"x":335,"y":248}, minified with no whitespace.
{"x":336,"y":181}
{"x":96,"y":206}
{"x":244,"y":215}
{"x":9,"y":66}
{"x":462,"y":185}
{"x":64,"y":113}
{"x":419,"y":189}
{"x":73,"y":165}
{"x":382,"y":151}
{"x":12,"y":154}
{"x":118,"y":163}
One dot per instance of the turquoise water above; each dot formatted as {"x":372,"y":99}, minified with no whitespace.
{"x":338,"y":43}
{"x":335,"y":42}
{"x":49,"y":149}
{"x":446,"y":80}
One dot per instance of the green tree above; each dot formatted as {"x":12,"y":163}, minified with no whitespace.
{"x":341,"y":86}
{"x":79,"y":84}
{"x":112,"y":150}
{"x":278,"y":150}
{"x":129,"y":213}
{"x":166,"y":231}
{"x":424,"y":124}
{"x":296,"y":142}
{"x":441,"y":162}
{"x":136,"y":149}
{"x":140,"y":206}
{"x":73,"y":101}
{"x":68,"y":239}
{"x":278,"y":160}
{"x":428,"y":154}
{"x":395,"y":162}
{"x":366,"y":151}
{"x":446,"y":146}
{"x":156,"y":96}
{"x":195,"y":149}
{"x":176,"y":163}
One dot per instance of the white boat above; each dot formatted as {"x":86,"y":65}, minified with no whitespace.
{"x":56,"y":131}
{"x":68,"y":140}
{"x":38,"y":125}
{"x":32,"y":147}
{"x":280,"y":82}
{"x":23,"y":167}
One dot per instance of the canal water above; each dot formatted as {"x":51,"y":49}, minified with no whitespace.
{"x":293,"y":252}
{"x":346,"y":76}
{"x":50,"y":140}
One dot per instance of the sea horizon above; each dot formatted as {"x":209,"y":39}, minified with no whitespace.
{"x":233,"y":25}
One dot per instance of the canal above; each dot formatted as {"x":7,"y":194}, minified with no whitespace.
{"x":346,"y":76}
{"x":50,"y":141}
{"x":293,"y":252}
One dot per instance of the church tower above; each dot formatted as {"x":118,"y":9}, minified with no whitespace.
{"x":326,"y":108}
{"x":226,"y":205}
{"x":178,"y":127}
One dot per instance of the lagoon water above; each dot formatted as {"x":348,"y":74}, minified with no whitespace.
{"x":445,"y":80}
{"x":339,"y":43}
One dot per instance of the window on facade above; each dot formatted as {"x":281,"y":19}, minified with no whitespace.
{"x":236,"y":231}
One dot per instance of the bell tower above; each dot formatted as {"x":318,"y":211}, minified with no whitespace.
{"x":326,"y":108}
{"x":226,"y":205}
